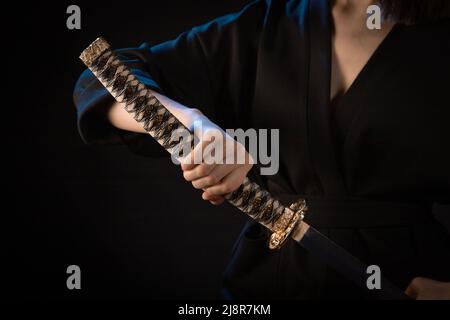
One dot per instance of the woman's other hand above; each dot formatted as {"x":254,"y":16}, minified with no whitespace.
{"x":427,"y":289}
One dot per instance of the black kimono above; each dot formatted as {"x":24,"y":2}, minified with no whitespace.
{"x":375,"y":169}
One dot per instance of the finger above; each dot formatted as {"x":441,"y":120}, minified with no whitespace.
{"x":195,"y":157}
{"x":213,"y":178}
{"x":230,"y":183}
{"x":210,"y":197}
{"x":188,"y":166}
{"x":221,"y":171}
{"x":198,"y":172}
{"x":215,"y":200}
{"x":413,"y":289}
{"x":217,"y":203}
{"x":411,"y":292}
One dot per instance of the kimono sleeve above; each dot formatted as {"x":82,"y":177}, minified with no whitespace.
{"x":198,"y":69}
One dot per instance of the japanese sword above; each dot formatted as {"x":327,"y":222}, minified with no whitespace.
{"x":250,"y":198}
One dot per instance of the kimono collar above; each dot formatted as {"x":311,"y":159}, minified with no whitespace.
{"x":321,"y":136}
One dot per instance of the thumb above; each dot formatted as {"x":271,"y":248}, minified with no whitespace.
{"x":413,"y":289}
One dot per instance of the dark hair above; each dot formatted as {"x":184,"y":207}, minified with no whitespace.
{"x":416,"y":11}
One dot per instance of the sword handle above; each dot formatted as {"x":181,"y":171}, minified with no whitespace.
{"x":157,"y":121}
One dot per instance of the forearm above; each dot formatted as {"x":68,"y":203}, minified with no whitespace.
{"x":216,"y":179}
{"x":120,"y":118}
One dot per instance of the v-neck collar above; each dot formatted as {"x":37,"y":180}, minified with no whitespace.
{"x":323,"y":143}
{"x":364,"y":70}
{"x":348,"y":109}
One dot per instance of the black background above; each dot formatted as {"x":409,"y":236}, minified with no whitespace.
{"x":132,"y":224}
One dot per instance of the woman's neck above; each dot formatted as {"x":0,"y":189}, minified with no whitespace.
{"x":353,"y":13}
{"x":353,"y":4}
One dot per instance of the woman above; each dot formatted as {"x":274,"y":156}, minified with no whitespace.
{"x":364,"y":132}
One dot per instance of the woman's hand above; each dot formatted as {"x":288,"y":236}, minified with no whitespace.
{"x":426,"y":289}
{"x":217,"y":172}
